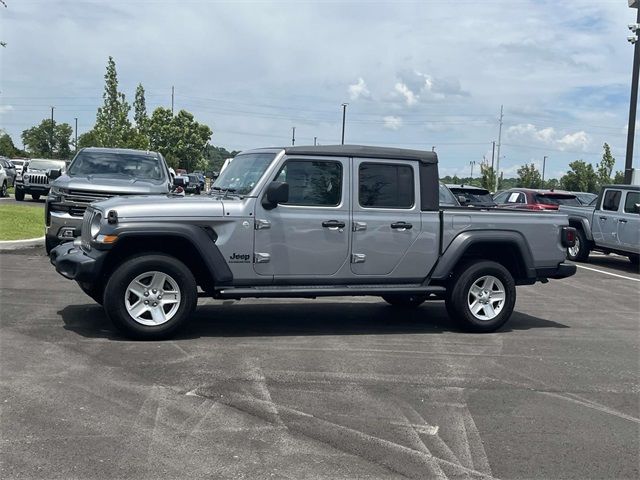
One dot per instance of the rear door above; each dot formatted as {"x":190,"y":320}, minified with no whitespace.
{"x":629,"y":223}
{"x":386,"y":215}
{"x":606,"y":218}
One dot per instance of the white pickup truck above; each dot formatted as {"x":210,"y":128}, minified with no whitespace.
{"x":612,"y":226}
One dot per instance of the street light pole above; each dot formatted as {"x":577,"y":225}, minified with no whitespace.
{"x":293,"y":135}
{"x":633,"y":102}
{"x":472,"y":163}
{"x":344,"y":116}
{"x":544,"y":163}
{"x":76,"y":130}
{"x":51,"y":133}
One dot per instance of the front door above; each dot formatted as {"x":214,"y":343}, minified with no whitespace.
{"x":629,"y":223}
{"x":386,"y":215}
{"x":309,"y":235}
{"x":606,"y":219}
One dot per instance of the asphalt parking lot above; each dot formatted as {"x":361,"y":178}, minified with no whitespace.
{"x":333,"y":388}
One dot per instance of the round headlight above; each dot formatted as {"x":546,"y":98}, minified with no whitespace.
{"x":95,"y":225}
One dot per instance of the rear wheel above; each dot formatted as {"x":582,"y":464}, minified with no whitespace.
{"x":404,"y":300}
{"x":151,"y":296}
{"x":482,"y":296}
{"x":19,"y":195}
{"x":580,"y":251}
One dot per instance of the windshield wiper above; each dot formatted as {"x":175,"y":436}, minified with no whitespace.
{"x":225,"y":191}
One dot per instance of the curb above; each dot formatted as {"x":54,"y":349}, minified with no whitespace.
{"x":17,"y":244}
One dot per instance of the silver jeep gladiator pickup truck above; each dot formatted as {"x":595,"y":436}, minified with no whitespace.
{"x":308,"y":222}
{"x":611,"y":226}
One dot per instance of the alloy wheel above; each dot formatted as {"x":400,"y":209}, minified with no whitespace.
{"x":152,"y":298}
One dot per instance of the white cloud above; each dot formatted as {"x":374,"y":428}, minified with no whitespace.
{"x":359,"y":90}
{"x":579,"y":140}
{"x":409,"y":97}
{"x":392,"y":122}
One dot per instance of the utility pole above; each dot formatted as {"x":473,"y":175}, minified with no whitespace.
{"x":293,"y":135}
{"x":499,"y":145}
{"x":315,"y":141}
{"x":544,"y":164}
{"x":633,"y":101}
{"x":344,"y":116}
{"x":493,"y":153}
{"x":172,"y":95}
{"x":51,"y":133}
{"x":472,"y":163}
{"x":76,"y":131}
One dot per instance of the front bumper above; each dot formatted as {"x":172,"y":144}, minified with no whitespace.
{"x":563,"y":270}
{"x":73,"y":263}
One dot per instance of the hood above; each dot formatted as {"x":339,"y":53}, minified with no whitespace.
{"x":162,"y":206}
{"x":113,"y":185}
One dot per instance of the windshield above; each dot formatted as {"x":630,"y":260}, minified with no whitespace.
{"x":132,"y":165}
{"x":551,"y":199}
{"x":38,"y":164}
{"x":475,"y":196}
{"x":242,"y":174}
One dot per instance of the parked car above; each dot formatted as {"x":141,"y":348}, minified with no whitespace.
{"x":311,"y":222}
{"x":36,"y":177}
{"x":612,"y":226}
{"x":585,"y":198}
{"x":469,"y":195}
{"x":3,"y":181}
{"x":10,"y":170}
{"x":447,"y":199}
{"x":534,"y":199}
{"x":19,"y":164}
{"x":194,"y":185}
{"x":97,"y":174}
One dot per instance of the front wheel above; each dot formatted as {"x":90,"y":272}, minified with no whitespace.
{"x":482,"y":296}
{"x":19,"y":195}
{"x":150,"y":296}
{"x":3,"y":189}
{"x":404,"y":300}
{"x":580,"y":250}
{"x":634,"y":259}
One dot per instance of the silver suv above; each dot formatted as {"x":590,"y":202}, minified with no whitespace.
{"x":98,"y":174}
{"x":311,"y":222}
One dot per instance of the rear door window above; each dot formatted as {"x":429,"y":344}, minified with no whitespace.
{"x":385,"y":186}
{"x":611,"y":200}
{"x":633,"y":199}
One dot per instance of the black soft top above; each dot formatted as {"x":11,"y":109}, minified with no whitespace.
{"x":365,"y":151}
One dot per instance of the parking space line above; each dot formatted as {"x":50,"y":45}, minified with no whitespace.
{"x":609,"y":273}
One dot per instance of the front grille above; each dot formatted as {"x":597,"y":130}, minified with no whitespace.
{"x":87,"y":196}
{"x":85,"y":231}
{"x":77,"y":210}
{"x":36,"y":179}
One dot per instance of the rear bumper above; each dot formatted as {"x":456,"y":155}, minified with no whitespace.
{"x":563,"y":270}
{"x":73,"y":263}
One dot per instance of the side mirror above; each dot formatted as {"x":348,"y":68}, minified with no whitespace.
{"x":462,"y":199}
{"x":53,"y":174}
{"x":277,"y":192}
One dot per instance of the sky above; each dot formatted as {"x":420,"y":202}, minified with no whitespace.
{"x":415,"y":74}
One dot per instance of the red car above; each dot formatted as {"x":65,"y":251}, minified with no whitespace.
{"x":534,"y":199}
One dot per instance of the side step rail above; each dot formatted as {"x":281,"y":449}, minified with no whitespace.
{"x":326,"y":291}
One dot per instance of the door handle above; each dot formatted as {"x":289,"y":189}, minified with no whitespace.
{"x":333,"y":224}
{"x":603,"y":218}
{"x":402,"y":226}
{"x":622,"y":220}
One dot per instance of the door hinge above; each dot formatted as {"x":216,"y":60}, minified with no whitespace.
{"x":359,"y":226}
{"x":262,"y":224}
{"x":259,"y":257}
{"x":358,"y":258}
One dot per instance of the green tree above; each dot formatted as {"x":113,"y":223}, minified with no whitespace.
{"x":7,"y":148}
{"x":112,"y":128}
{"x":487,"y":177}
{"x":47,"y":140}
{"x":529,"y":176}
{"x":552,"y":183}
{"x":618,"y":178}
{"x":580,"y":178}
{"x":605,"y":167}
{"x":181,"y":139}
{"x":88,"y":139}
{"x":216,"y":156}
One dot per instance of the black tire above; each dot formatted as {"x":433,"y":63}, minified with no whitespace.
{"x":50,"y":244}
{"x":3,"y":190}
{"x":96,"y":292}
{"x":580,"y":253}
{"x":117,"y":285}
{"x":634,"y":259}
{"x":197,"y":190}
{"x":19,"y":195}
{"x":457,"y":301}
{"x":35,"y":196}
{"x":405,"y":300}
